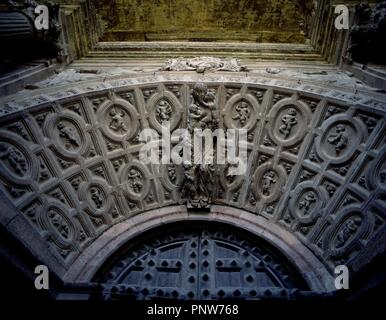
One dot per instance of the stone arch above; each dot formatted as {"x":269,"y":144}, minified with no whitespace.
{"x":319,"y":155}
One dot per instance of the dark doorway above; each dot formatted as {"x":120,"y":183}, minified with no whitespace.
{"x":198,"y":261}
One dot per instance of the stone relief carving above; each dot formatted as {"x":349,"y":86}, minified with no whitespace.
{"x":350,"y":225}
{"x":308,"y":202}
{"x":135,"y":181}
{"x":134,"y":177}
{"x":117,"y":120}
{"x":59,"y":223}
{"x":376,"y":175}
{"x":62,"y":231}
{"x":198,"y":186}
{"x":242,"y":113}
{"x":202,"y":64}
{"x":69,"y":136}
{"x":202,"y":108}
{"x":164,"y":112}
{"x":339,"y":138}
{"x":268,"y":181}
{"x":273,"y":174}
{"x":340,"y":135}
{"x":349,"y":229}
{"x":17,"y":163}
{"x":13,"y":158}
{"x":289,"y":120}
{"x":97,"y":197}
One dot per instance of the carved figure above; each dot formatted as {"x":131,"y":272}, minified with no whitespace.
{"x":308,"y":201}
{"x":339,"y":139}
{"x":117,"y":122}
{"x":14,"y":157}
{"x":135,"y":182}
{"x":69,"y":136}
{"x":347,"y":231}
{"x":242,"y":113}
{"x":96,"y":196}
{"x":201,"y":111}
{"x":172,"y":173}
{"x":269,"y":180}
{"x":59,"y":224}
{"x":164,"y":111}
{"x":198,"y":185}
{"x":289,"y":120}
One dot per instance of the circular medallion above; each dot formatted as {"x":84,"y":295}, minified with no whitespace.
{"x":289,"y":121}
{"x":119,"y":119}
{"x":376,"y":174}
{"x":307,"y":202}
{"x":67,"y":130}
{"x":338,"y":139}
{"x":268,"y":182}
{"x":16,"y":163}
{"x":351,"y":225}
{"x":135,"y":180}
{"x":241,"y":112}
{"x":164,"y":110}
{"x":55,"y":219}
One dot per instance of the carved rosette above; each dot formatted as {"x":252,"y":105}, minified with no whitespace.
{"x":135,"y":180}
{"x":339,"y":137}
{"x":241,"y":112}
{"x":268,"y":182}
{"x":119,"y":119}
{"x":288,"y":122}
{"x":17,"y":164}
{"x":164,"y":108}
{"x":307,"y":202}
{"x":351,"y":225}
{"x":68,"y":132}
